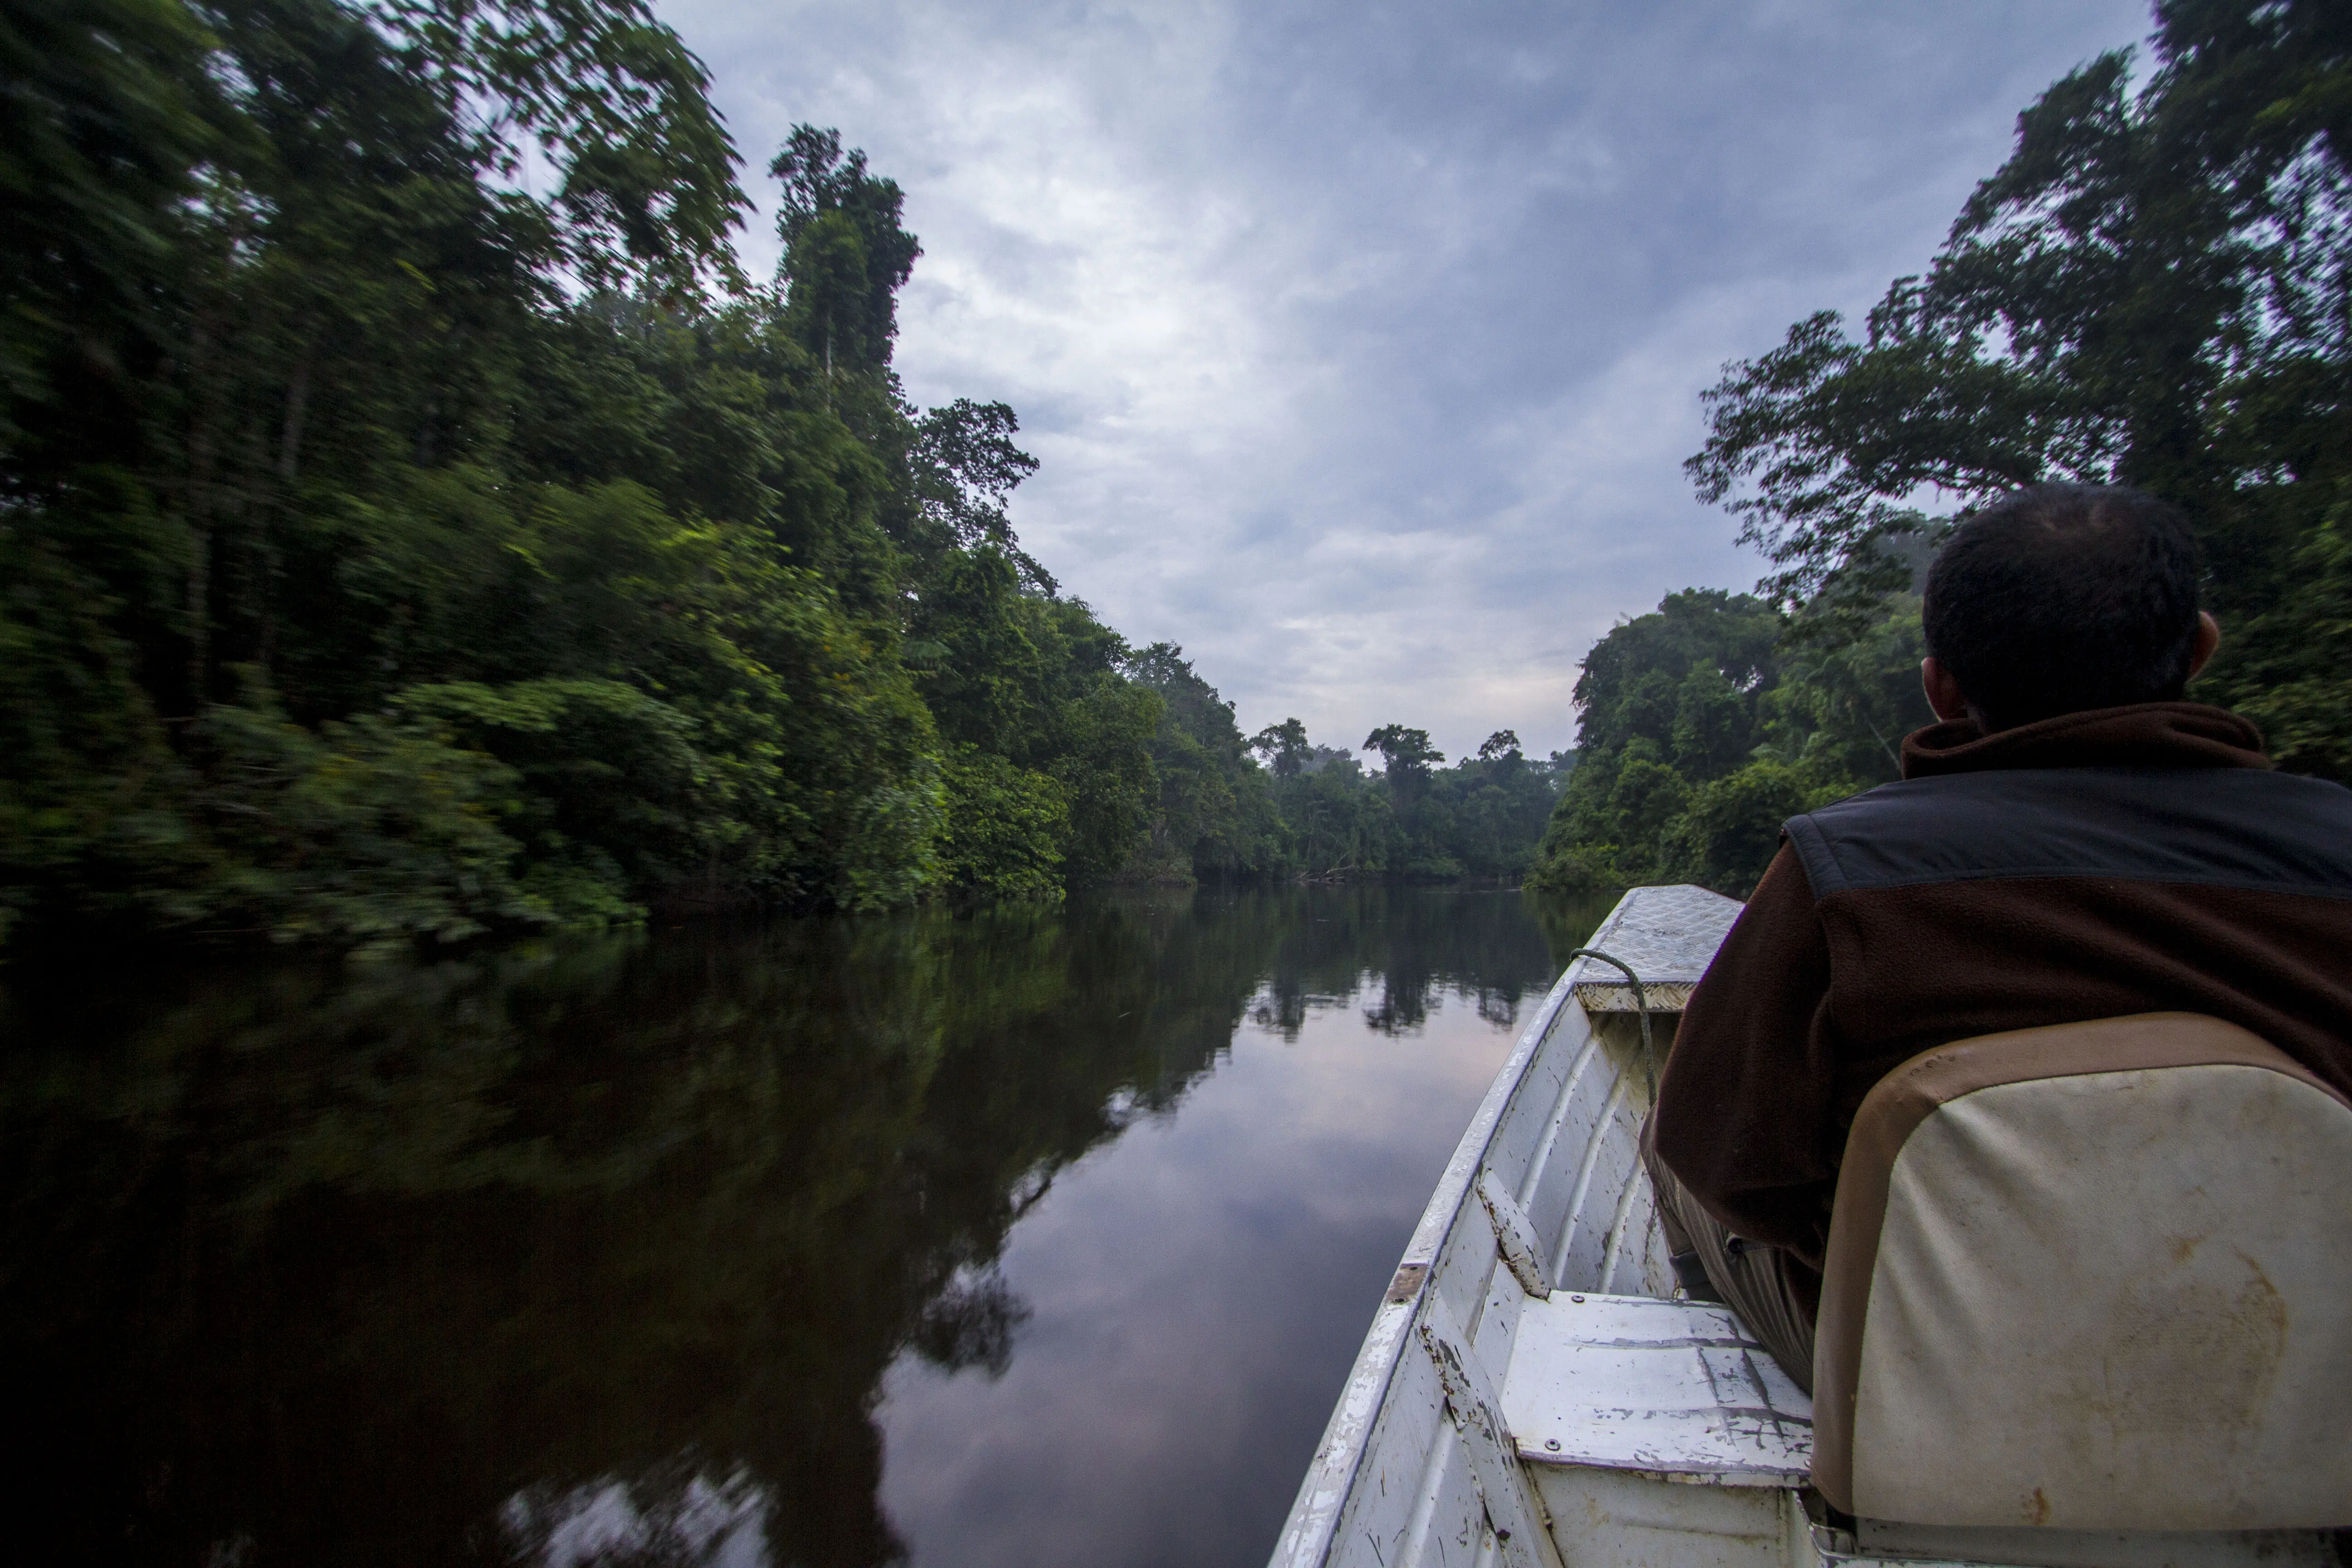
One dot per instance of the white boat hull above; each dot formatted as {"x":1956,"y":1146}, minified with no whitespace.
{"x":1532,"y":1392}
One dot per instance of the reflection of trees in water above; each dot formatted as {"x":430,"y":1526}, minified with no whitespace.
{"x":970,"y":1323}
{"x":659,"y":1520}
{"x":1403,"y":949}
{"x":593,"y":1253}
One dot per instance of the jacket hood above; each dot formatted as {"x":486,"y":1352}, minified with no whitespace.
{"x":2143,"y":735}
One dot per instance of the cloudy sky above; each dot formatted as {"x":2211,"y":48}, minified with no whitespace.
{"x":1362,"y":343}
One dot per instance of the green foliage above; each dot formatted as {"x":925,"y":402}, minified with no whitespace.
{"x":1671,"y":702}
{"x":1498,"y":804}
{"x":2290,"y":666}
{"x":103,"y":121}
{"x":961,"y":468}
{"x":644,"y":190}
{"x":1407,"y":753}
{"x":393,"y":547}
{"x":1038,"y":681}
{"x":362,"y":834}
{"x":1283,"y":746}
{"x":1727,"y":830}
{"x":2151,"y":291}
{"x":1106,"y":768}
{"x":1481,"y":817}
{"x":1701,"y":736}
{"x":91,"y":789}
{"x":653,"y":594}
{"x":1842,"y":710}
{"x":1215,"y":814}
{"x":1007,"y":830}
{"x":843,"y":251}
{"x":1338,"y":824}
{"x":610,"y":775}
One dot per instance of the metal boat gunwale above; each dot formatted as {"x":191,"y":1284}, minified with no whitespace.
{"x":1307,"y":1534}
{"x":1559,"y":1393}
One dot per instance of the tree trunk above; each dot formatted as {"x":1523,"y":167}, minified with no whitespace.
{"x":289,"y":462}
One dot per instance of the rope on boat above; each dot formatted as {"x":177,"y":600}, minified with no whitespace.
{"x":1640,"y":1002}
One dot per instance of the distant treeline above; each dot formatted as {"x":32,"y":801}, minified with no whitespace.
{"x":2156,"y":289}
{"x":412,"y":523}
{"x":1481,"y":817}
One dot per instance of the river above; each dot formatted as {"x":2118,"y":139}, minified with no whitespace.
{"x":1023,"y":1235}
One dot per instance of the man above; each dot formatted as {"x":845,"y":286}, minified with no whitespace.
{"x":2071,"y":841}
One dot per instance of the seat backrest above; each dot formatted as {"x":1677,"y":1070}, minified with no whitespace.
{"x":2098,"y":1277}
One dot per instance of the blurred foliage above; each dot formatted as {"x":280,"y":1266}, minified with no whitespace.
{"x":412,"y":523}
{"x":392,"y":552}
{"x":410,"y":1261}
{"x":2155,"y":290}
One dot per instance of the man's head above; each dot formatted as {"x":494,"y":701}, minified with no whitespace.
{"x":2059,"y":598}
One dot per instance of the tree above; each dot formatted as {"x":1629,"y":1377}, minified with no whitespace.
{"x":108,"y":113}
{"x":845,"y":253}
{"x":2150,"y":293}
{"x":427,"y":550}
{"x":414,"y":524}
{"x":962,"y":467}
{"x":1283,"y":746}
{"x":1673,"y":702}
{"x":1407,"y":753}
{"x":1215,"y":814}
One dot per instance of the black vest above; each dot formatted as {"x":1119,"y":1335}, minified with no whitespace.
{"x":2219,"y":827}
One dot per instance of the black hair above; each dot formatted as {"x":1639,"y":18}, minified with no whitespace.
{"x":2059,"y":598}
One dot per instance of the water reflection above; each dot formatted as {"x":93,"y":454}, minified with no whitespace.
{"x":600,"y":1252}
{"x":695,"y":1523}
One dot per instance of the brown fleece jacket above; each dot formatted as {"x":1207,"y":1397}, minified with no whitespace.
{"x":2127,"y":860}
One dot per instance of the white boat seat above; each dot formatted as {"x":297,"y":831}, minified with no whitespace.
{"x":2092,"y":1277}
{"x":1673,"y":1390}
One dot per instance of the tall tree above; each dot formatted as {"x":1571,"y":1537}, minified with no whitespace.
{"x":2152,"y":290}
{"x":844,"y":251}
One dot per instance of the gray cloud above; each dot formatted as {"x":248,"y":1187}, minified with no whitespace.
{"x":1362,"y":344}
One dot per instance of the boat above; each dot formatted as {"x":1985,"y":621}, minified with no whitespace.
{"x":1536,"y":1390}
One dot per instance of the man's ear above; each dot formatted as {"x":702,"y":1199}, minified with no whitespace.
{"x":2209,"y":638}
{"x":1943,"y":692}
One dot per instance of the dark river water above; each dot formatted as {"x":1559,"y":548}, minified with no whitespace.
{"x":1023,"y":1236}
